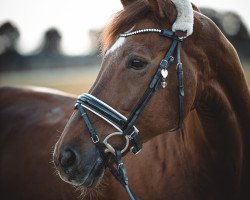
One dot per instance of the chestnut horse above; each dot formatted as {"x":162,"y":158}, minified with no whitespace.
{"x":31,"y":122}
{"x":207,"y":156}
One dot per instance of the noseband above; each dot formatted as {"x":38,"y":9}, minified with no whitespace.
{"x":126,"y":126}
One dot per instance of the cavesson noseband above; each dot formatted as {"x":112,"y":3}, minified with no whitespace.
{"x":126,"y":126}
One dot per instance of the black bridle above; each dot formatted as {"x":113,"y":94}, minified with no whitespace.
{"x":126,"y":126}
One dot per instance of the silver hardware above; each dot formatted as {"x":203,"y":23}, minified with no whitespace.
{"x":171,"y":59}
{"x":163,"y":83}
{"x":148,"y":30}
{"x":111,"y":149}
{"x":164,"y":63}
{"x":120,"y":164}
{"x":164,"y":73}
{"x":134,"y":132}
{"x":95,"y":140}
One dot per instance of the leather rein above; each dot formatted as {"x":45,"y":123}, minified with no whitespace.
{"x":126,"y":126}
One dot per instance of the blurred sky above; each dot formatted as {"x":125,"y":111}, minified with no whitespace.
{"x":75,"y":17}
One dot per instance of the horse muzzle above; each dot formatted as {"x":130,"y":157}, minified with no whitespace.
{"x":77,"y":168}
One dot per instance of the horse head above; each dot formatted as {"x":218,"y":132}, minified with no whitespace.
{"x":130,"y":62}
{"x":134,"y":46}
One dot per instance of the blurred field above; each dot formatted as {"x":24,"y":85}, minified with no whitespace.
{"x":73,"y":80}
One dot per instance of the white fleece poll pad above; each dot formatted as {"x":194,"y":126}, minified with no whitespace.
{"x":185,"y":16}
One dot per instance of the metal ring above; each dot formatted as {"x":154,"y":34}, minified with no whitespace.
{"x":111,"y":149}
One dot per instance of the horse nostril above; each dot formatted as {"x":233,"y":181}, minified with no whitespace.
{"x":68,"y":158}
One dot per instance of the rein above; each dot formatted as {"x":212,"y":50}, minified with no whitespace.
{"x":126,"y":126}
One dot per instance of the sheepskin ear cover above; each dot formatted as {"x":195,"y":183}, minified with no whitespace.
{"x":185,"y":16}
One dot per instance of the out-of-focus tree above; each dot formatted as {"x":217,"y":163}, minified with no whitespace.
{"x":51,"y":44}
{"x":234,"y":28}
{"x":9,"y":36}
{"x":9,"y":55}
{"x":229,"y":22}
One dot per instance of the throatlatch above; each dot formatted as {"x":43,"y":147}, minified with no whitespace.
{"x":126,"y":126}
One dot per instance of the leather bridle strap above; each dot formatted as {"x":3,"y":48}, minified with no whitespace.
{"x":93,"y":135}
{"x":121,"y":175}
{"x":165,"y":63}
{"x":181,"y":93}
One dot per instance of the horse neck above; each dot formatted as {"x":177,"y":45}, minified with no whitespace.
{"x":223,"y":109}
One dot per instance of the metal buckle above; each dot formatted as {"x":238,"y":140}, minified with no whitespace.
{"x":164,"y":63}
{"x":95,"y":139}
{"x":135,"y":131}
{"x":132,"y":137}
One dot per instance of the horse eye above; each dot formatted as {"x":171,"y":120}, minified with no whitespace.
{"x":136,"y":63}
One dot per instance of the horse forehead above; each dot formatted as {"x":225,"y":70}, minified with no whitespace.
{"x":119,"y":43}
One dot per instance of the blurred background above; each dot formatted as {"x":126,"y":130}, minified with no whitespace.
{"x":55,"y":43}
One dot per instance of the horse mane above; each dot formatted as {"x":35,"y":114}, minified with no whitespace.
{"x":138,"y":10}
{"x":123,"y":21}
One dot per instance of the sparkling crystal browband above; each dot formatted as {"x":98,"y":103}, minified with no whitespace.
{"x":148,"y":30}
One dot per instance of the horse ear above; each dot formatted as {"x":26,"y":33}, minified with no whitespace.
{"x":163,"y":9}
{"x":126,"y":2}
